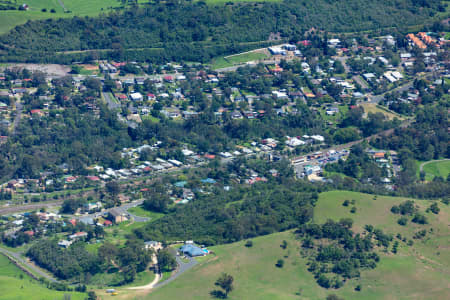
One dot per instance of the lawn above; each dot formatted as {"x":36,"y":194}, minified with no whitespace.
{"x":415,"y":272}
{"x":15,"y":284}
{"x":141,"y":212}
{"x":151,"y":118}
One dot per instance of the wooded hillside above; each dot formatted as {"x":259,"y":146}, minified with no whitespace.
{"x":197,"y":32}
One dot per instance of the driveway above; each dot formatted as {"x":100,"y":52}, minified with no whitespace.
{"x":182,"y":267}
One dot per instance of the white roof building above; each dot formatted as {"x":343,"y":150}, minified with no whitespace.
{"x":136,"y":96}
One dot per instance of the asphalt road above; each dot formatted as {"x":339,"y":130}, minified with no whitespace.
{"x":378,"y":98}
{"x":429,"y":162}
{"x":299,"y":166}
{"x":18,"y":116}
{"x":182,"y":267}
{"x":113,"y":105}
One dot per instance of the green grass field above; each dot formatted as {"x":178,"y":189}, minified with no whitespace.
{"x":421,"y":271}
{"x":141,"y":212}
{"x":16,"y":285}
{"x":10,"y":19}
{"x":229,"y":61}
{"x":373,"y":108}
{"x":439,"y":168}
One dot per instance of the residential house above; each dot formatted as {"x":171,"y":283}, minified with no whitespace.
{"x":192,"y":250}
{"x":78,"y":235}
{"x":117,"y":216}
{"x":153,"y":245}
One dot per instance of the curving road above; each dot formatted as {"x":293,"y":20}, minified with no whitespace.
{"x":182,"y":267}
{"x":431,"y":161}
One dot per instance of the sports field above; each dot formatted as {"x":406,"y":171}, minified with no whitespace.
{"x":232,"y":60}
{"x":420,"y":271}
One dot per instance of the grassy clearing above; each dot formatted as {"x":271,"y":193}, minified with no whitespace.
{"x":420,"y":271}
{"x":438,"y":168}
{"x":15,"y":284}
{"x":10,"y":19}
{"x":373,"y":108}
{"x":141,"y":212}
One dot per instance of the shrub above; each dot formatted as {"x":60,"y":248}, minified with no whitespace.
{"x":280,"y":263}
{"x":434,"y":208}
{"x":323,"y":281}
{"x":402,"y":221}
{"x":249,"y":244}
{"x":419,"y":219}
{"x":353,"y":210}
{"x":395,"y":209}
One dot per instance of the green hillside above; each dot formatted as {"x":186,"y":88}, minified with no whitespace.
{"x":16,"y":285}
{"x":195,"y":31}
{"x":420,"y":271}
{"x":11,"y":18}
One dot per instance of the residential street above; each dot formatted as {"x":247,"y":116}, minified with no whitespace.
{"x":18,"y":116}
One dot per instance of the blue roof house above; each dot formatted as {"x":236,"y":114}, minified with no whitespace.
{"x":192,"y":250}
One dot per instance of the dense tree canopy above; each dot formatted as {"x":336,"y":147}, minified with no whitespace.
{"x":197,"y":32}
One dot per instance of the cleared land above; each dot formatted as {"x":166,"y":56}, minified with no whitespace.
{"x":15,"y":284}
{"x":421,"y":271}
{"x":373,"y":108}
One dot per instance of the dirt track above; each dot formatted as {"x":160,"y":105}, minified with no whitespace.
{"x":17,"y":208}
{"x":50,"y":69}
